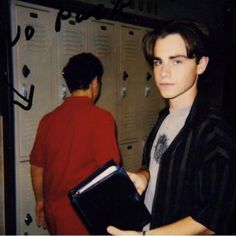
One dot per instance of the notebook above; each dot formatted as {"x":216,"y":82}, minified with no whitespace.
{"x":109,"y":197}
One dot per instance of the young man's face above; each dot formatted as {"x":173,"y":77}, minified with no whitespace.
{"x":175,"y":74}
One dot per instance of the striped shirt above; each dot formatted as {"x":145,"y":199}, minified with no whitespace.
{"x":197,"y":173}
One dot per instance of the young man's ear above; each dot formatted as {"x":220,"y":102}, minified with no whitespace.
{"x":94,"y":82}
{"x":202,"y":65}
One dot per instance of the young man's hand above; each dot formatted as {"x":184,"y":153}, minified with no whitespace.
{"x":40,"y":216}
{"x":140,"y":180}
{"x":115,"y":231}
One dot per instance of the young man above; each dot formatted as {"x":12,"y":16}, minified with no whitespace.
{"x":72,"y":142}
{"x":189,"y":156}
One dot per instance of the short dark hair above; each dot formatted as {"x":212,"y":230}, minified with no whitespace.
{"x":195,"y":35}
{"x":81,"y":70}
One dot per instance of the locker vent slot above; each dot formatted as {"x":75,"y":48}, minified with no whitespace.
{"x":149,"y":119}
{"x":103,"y":45}
{"x":130,"y":50}
{"x":72,"y":42}
{"x":128,"y":127}
{"x":39,"y":42}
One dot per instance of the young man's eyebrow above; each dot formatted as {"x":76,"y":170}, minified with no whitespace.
{"x":172,"y":57}
{"x":156,"y":58}
{"x":177,"y":56}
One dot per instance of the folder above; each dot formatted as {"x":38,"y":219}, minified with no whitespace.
{"x":109,"y":197}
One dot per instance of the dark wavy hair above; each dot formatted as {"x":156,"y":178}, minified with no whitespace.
{"x":195,"y":36}
{"x":81,"y":70}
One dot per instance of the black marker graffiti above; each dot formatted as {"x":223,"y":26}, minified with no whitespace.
{"x":29,"y":33}
{"x":98,"y":12}
{"x":61,"y":16}
{"x":14,"y":42}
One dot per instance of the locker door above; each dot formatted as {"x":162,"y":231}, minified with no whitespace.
{"x":102,"y":42}
{"x":129,"y":83}
{"x":131,"y":152}
{"x":151,"y":102}
{"x":32,"y":66}
{"x":71,"y":40}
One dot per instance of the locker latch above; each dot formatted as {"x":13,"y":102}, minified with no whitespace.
{"x":28,"y":219}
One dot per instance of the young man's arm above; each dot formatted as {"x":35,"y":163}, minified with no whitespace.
{"x":186,"y":226}
{"x":37,"y":182}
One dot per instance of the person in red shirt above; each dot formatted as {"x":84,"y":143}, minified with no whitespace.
{"x":71,"y":142}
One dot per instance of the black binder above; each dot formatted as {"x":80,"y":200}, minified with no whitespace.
{"x":113,"y":200}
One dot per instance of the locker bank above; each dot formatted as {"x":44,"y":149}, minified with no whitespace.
{"x":39,"y":37}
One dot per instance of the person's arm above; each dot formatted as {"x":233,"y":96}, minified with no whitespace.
{"x":140,"y":180}
{"x":37,"y":182}
{"x":186,"y":226}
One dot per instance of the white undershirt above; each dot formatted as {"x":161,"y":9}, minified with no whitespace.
{"x":168,"y":130}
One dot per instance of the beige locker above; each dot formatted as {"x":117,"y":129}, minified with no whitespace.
{"x":129,"y":84}
{"x":35,"y":55}
{"x":26,"y":214}
{"x":151,"y":102}
{"x":132,"y":159}
{"x":126,"y":91}
{"x":102,"y":43}
{"x":71,"y":40}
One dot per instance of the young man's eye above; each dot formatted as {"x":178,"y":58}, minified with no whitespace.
{"x":176,"y":62}
{"x":156,"y":62}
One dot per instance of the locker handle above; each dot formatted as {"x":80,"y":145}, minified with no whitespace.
{"x":147,"y":91}
{"x":63,"y":91}
{"x":123,"y":91}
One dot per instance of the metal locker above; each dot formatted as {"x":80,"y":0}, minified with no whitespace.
{"x":132,"y":159}
{"x":39,"y":57}
{"x":27,"y":206}
{"x":102,"y":42}
{"x":71,"y":40}
{"x":129,"y":84}
{"x":32,"y":57}
{"x":151,"y":102}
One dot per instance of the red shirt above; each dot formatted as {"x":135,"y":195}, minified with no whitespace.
{"x":72,"y":141}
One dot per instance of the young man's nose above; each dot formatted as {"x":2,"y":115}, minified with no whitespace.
{"x":165,"y":70}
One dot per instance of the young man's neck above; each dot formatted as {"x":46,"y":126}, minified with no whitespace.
{"x":182,"y":101}
{"x":82,"y":93}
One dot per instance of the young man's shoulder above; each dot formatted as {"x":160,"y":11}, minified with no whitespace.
{"x":102,"y":113}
